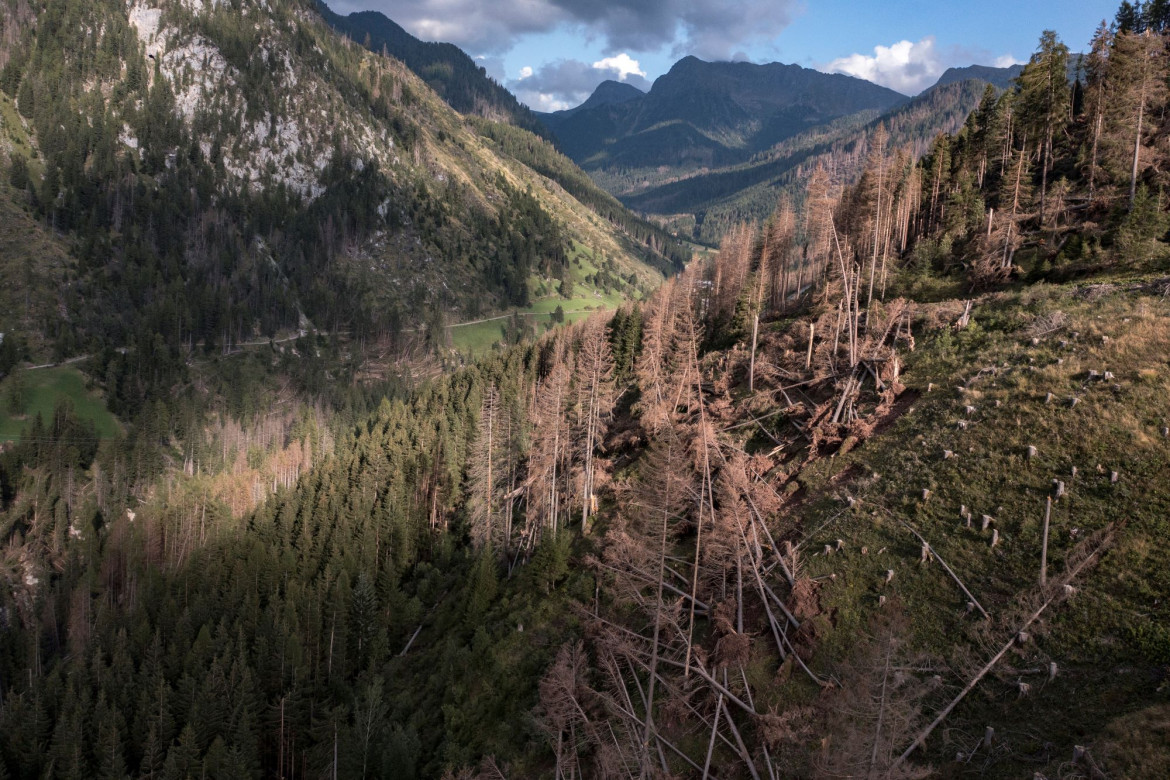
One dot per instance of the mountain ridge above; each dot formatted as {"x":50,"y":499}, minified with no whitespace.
{"x":711,"y":113}
{"x":446,"y":68}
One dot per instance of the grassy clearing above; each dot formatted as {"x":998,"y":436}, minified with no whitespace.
{"x":43,"y":389}
{"x":985,"y":398}
{"x":479,"y":337}
{"x":18,"y":139}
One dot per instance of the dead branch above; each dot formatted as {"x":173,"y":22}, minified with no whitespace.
{"x":1056,"y":594}
{"x":948,"y":569}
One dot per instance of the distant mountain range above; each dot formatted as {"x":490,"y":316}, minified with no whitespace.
{"x":711,"y":142}
{"x":709,"y":113}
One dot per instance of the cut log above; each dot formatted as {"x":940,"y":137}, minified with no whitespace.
{"x":808,"y":360}
{"x":1044,"y":542}
{"x":919,"y":740}
{"x":929,"y":550}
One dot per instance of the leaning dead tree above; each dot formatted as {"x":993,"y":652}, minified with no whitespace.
{"x":1087,"y":554}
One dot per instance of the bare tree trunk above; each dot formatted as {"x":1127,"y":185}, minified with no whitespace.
{"x":877,"y":736}
{"x":752,"y":368}
{"x":1044,"y":544}
{"x":921,"y":738}
{"x":1007,"y":260}
{"x":1137,"y":145}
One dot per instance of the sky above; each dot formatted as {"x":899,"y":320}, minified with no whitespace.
{"x":552,"y":53}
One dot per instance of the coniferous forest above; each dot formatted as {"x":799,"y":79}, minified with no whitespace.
{"x":878,"y":488}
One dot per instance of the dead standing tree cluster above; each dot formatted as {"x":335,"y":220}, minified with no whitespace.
{"x":695,"y":582}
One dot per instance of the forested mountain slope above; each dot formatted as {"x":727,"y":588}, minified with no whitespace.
{"x":446,"y":68}
{"x":711,"y":114}
{"x":878,"y":490}
{"x":702,"y":199}
{"x":710,"y":202}
{"x":318,"y":182}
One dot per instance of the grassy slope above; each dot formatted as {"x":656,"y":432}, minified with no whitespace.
{"x":1112,"y":640}
{"x":479,"y":336}
{"x":44,"y":388}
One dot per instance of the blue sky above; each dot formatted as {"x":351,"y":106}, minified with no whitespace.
{"x":552,"y":53}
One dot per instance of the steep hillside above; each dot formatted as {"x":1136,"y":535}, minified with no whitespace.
{"x":445,"y":68}
{"x":705,"y":204}
{"x":878,"y":489}
{"x":323,"y":186}
{"x":710,"y":114}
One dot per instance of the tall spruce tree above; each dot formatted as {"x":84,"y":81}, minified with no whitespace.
{"x":1044,"y":96}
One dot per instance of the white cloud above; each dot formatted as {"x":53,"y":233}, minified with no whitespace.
{"x":544,"y":101}
{"x":906,"y":67}
{"x":566,"y":83}
{"x":711,"y":29}
{"x":1006,"y":61}
{"x":623,"y":64}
